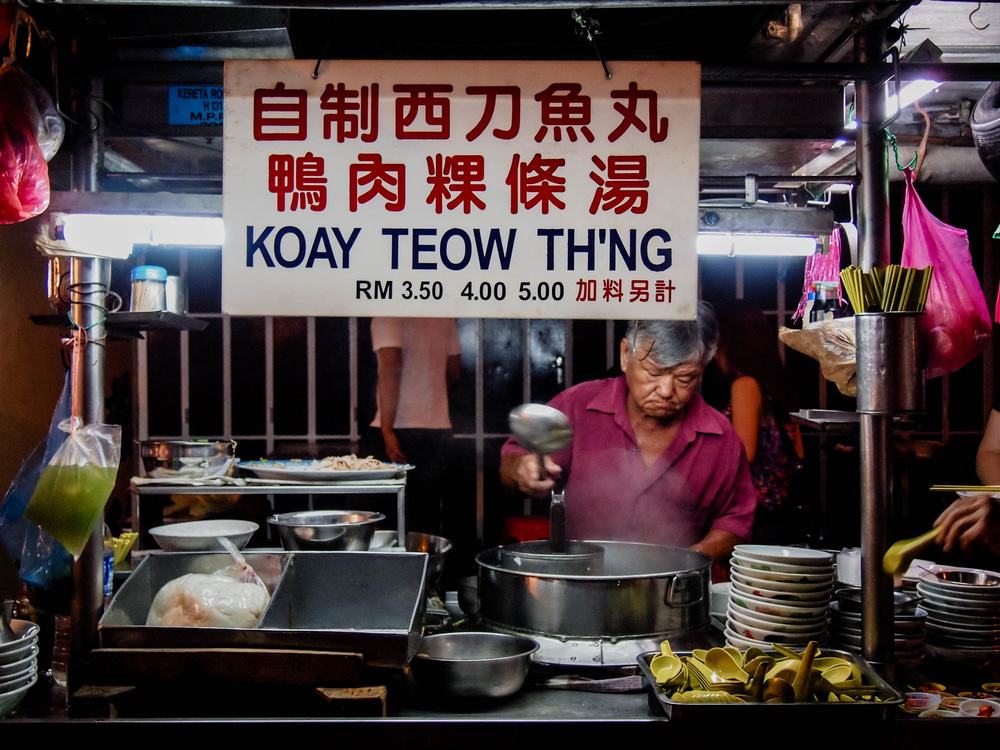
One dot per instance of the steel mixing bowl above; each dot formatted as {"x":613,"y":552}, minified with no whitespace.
{"x":472,"y":664}
{"x":190,"y":459}
{"x":436,"y":547}
{"x":326,"y":530}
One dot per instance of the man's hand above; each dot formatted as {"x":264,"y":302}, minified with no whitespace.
{"x":523,"y":473}
{"x":971,"y":522}
{"x":392,"y":449}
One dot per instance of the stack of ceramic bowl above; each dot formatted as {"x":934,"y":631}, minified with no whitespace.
{"x":18,"y":664}
{"x":908,"y":625}
{"x":779,"y":595}
{"x":963,"y":610}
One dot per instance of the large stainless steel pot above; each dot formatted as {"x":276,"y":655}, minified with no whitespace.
{"x":641,"y":591}
{"x":576,"y":558}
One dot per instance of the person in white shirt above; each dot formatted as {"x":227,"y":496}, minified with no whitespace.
{"x":418,"y":359}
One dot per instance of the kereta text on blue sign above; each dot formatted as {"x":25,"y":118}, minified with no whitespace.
{"x":455,"y":249}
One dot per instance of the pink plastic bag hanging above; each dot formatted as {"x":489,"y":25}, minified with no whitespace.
{"x":956,"y":323}
{"x":821,"y":267}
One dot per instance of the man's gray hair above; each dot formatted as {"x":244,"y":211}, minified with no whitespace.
{"x":670,"y":342}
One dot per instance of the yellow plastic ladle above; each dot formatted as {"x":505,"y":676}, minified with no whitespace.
{"x":898,"y":557}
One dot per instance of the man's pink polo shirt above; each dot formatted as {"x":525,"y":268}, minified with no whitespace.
{"x":701,"y":482}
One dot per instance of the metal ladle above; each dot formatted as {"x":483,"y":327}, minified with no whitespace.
{"x":543,"y":430}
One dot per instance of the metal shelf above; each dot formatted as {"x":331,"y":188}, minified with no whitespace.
{"x":374,"y":487}
{"x":131,"y":324}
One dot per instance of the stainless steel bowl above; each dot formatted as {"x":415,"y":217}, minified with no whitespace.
{"x":192,"y":459}
{"x":326,"y":530}
{"x":473,"y":665}
{"x":850,"y":601}
{"x":436,"y":547}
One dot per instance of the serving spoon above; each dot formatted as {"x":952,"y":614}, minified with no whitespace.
{"x":543,"y":430}
{"x":898,"y":557}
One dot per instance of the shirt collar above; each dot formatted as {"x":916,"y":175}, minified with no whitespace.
{"x":698,"y":416}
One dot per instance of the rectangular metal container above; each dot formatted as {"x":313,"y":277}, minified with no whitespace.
{"x":658,"y":699}
{"x":359,"y":602}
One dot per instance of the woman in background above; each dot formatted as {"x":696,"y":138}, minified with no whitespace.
{"x":758,"y":406}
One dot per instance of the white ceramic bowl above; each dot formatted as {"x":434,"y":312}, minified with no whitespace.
{"x":769,"y":608}
{"x":739,"y":641}
{"x":27,"y":636}
{"x":822,"y":579}
{"x":10,"y":700}
{"x":819,"y":598}
{"x":772,"y":567}
{"x":12,"y":668}
{"x":202,"y":536}
{"x":787,"y":555}
{"x":10,"y":684}
{"x":792,"y":622}
{"x":740,"y":619}
{"x":769,"y":636}
{"x":973,"y":706}
{"x":784,"y":586}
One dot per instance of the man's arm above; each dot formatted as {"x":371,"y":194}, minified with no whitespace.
{"x":519,"y":471}
{"x":717,"y":544}
{"x":988,"y":455}
{"x":390,"y":368}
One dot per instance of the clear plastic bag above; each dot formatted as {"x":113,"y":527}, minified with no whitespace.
{"x":43,"y":561}
{"x":231,"y":597}
{"x":24,"y":173}
{"x":831,"y":343}
{"x":74,"y":486}
{"x":956,"y":323}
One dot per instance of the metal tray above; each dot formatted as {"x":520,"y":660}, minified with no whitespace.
{"x":359,"y":602}
{"x":659,"y":701}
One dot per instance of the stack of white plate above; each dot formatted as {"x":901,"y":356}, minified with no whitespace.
{"x":908,"y":633}
{"x":18,"y":664}
{"x":779,"y":595}
{"x":963,"y":610}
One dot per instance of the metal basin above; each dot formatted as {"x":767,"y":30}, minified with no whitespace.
{"x":473,"y":665}
{"x":850,"y":601}
{"x":326,"y":530}
{"x":436,"y":547}
{"x":642,"y":590}
{"x":579,"y":558}
{"x":192,"y":459}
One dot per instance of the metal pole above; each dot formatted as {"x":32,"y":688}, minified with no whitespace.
{"x":88,"y":277}
{"x":876,"y":459}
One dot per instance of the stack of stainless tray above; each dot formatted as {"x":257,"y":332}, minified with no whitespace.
{"x":359,"y":602}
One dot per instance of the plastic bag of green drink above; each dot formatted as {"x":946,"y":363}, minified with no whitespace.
{"x":68,"y":501}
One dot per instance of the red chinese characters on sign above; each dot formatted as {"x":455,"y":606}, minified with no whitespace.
{"x":623,"y":188}
{"x":631,"y":118}
{"x":586,"y":290}
{"x":535,"y":183}
{"x":613,"y":290}
{"x":456,"y":181}
{"x":492,"y":94}
{"x":639,"y":290}
{"x":370,"y":177}
{"x":351,"y":113}
{"x":302,"y":178}
{"x":424,"y":99}
{"x":664,"y":291}
{"x":563,"y":106}
{"x":279,"y":114}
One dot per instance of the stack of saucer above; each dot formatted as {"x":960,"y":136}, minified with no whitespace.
{"x":908,"y":632}
{"x":779,"y":595}
{"x":963,"y":610}
{"x":18,"y":664}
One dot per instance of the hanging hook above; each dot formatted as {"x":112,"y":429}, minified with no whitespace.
{"x":326,"y":54}
{"x":979,"y":7}
{"x":590,"y":28}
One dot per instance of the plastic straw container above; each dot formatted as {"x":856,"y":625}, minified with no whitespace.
{"x":149,"y":289}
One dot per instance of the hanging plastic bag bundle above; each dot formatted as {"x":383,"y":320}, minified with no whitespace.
{"x":956,"y":323}
{"x":70,"y":495}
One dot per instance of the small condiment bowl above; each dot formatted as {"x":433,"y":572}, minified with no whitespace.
{"x":983,"y":709}
{"x":916,"y":702}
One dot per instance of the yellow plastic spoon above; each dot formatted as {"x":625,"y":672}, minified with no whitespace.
{"x":898,"y":557}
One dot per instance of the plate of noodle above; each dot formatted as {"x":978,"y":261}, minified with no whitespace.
{"x":350,"y":468}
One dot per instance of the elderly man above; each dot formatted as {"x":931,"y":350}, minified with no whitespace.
{"x":650,"y":460}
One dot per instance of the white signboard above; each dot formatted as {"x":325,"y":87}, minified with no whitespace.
{"x":461,"y":189}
